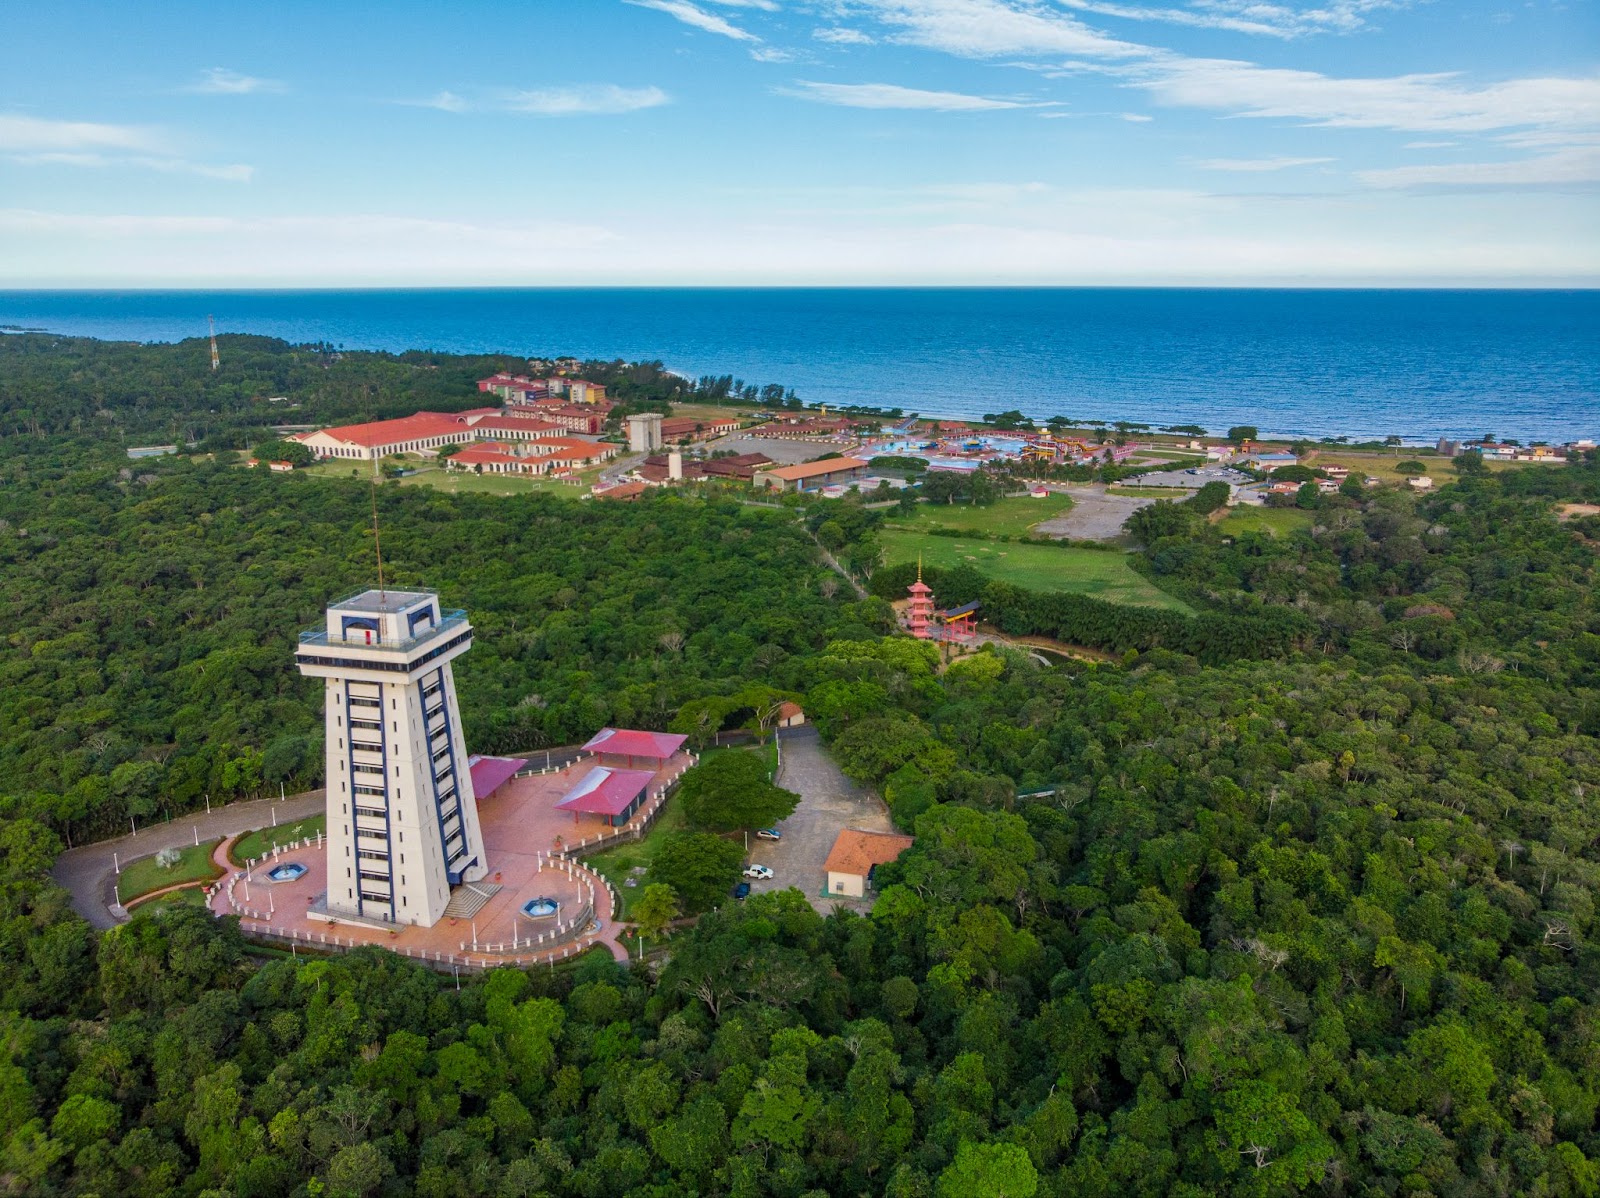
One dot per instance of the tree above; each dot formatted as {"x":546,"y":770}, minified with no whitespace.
{"x":1410,"y":466}
{"x":1308,"y":497}
{"x":730,"y":790}
{"x":1163,"y":518}
{"x":656,"y":908}
{"x":989,"y":1171}
{"x":1210,"y":498}
{"x":700,"y":868}
{"x":296,"y":454}
{"x":1470,"y":464}
{"x":1240,"y":433}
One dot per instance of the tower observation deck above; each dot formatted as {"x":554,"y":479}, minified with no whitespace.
{"x":402,"y":816}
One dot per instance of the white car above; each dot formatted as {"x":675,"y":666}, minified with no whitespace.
{"x":768,"y":834}
{"x":759,"y":872}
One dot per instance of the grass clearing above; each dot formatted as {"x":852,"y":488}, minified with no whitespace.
{"x":259,"y":843}
{"x":1098,"y":573}
{"x":459,"y":482}
{"x":617,"y":863}
{"x":1277,"y":522}
{"x":144,"y":875}
{"x":1004,"y":517}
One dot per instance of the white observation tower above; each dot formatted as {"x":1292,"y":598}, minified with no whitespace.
{"x":402,"y":818}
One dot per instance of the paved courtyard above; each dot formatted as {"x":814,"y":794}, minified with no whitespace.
{"x":829,"y":802}
{"x":522,"y":834}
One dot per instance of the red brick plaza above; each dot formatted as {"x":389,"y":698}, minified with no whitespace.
{"x":535,"y":825}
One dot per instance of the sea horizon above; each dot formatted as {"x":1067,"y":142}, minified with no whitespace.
{"x":1364,"y":362}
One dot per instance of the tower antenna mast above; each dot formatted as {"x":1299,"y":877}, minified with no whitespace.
{"x":377,"y":544}
{"x":215,"y":360}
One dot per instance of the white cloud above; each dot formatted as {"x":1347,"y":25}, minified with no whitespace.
{"x":1420,"y":103}
{"x":1247,"y":16}
{"x":1574,"y":165}
{"x":771,"y":54}
{"x":602,"y":98}
{"x":444,"y":101}
{"x":763,"y":5}
{"x":989,"y":28}
{"x":1257,"y":164}
{"x":839,"y":36}
{"x":1429,"y":145}
{"x":889,"y":95}
{"x":231,"y":173}
{"x":1136,"y":117}
{"x":26,"y":133}
{"x":220,"y":81}
{"x":699,"y":18}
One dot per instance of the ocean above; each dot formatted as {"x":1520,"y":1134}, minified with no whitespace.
{"x":1363,"y":364}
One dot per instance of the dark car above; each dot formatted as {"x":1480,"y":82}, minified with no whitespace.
{"x":742,"y":890}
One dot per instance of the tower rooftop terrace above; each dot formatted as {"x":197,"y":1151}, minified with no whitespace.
{"x":373,"y":600}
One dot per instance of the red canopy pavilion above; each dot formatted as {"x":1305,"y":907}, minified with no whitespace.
{"x":612,"y":794}
{"x":629,"y":748}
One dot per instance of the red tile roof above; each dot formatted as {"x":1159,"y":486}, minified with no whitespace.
{"x":856,"y":852}
{"x":605,"y":791}
{"x":391,"y":432}
{"x":626,"y":742}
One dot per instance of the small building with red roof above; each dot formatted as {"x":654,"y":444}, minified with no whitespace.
{"x":630,"y":748}
{"x":610,"y":793}
{"x":855,"y":854}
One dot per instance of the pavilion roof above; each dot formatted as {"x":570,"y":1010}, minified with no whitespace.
{"x":489,"y":774}
{"x":606,"y":791}
{"x":626,"y":742}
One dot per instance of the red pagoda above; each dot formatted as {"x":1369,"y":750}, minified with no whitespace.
{"x":919,"y":612}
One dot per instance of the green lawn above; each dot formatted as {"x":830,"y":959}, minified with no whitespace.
{"x":1278,"y":522}
{"x":259,"y":843}
{"x":615,"y":864}
{"x":144,"y":875}
{"x":1005,"y":517}
{"x":1100,"y":574}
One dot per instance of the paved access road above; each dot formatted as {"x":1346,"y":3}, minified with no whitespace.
{"x":89,"y":873}
{"x":829,"y":802}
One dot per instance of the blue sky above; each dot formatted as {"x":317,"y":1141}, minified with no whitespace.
{"x":801,"y":141}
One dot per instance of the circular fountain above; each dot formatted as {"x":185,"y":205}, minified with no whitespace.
{"x":541,"y":907}
{"x":289,"y":871}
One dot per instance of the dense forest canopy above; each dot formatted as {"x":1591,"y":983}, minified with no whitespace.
{"x":128,"y":393}
{"x":1318,"y":917}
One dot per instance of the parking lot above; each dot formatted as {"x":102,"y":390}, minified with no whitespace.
{"x":1193,"y":479}
{"x":829,"y":802}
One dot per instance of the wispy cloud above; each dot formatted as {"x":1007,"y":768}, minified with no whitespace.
{"x":1257,"y":164}
{"x":763,"y":5}
{"x":1574,"y":165}
{"x":697,"y":17}
{"x":444,"y":101}
{"x":220,"y":81}
{"x":27,"y":133}
{"x":889,"y":95}
{"x":1419,"y":103}
{"x":771,"y":54}
{"x":1429,"y":145}
{"x":991,"y":28}
{"x":232,"y":173}
{"x":840,"y":36}
{"x":594,"y":98}
{"x":35,"y":141}
{"x":1247,"y":16}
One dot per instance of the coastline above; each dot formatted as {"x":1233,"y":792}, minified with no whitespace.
{"x":1306,"y":363}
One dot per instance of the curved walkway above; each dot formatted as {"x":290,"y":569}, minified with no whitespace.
{"x":89,"y":872}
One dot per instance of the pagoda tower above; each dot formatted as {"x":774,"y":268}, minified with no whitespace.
{"x":919,"y":612}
